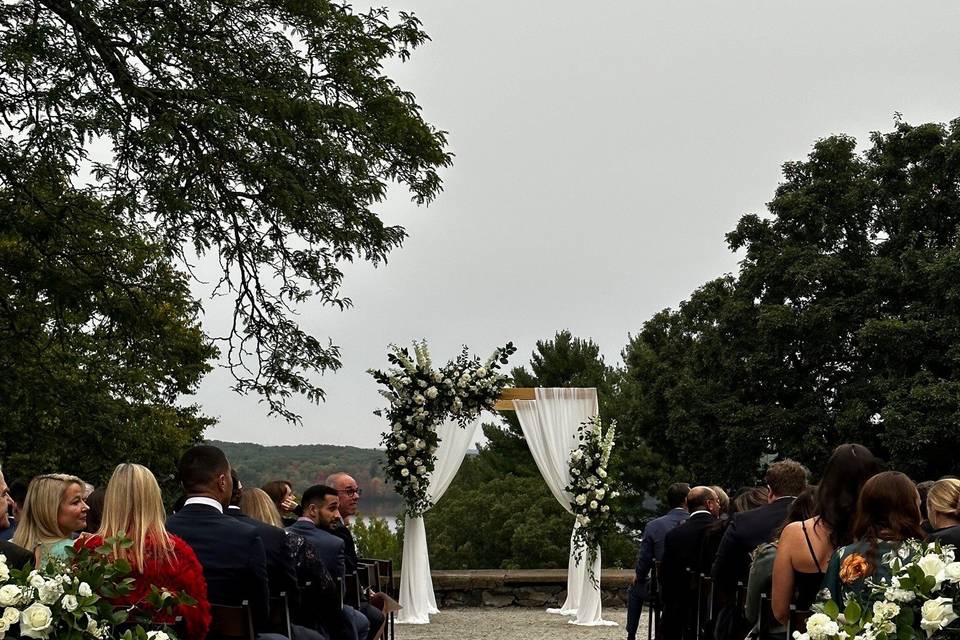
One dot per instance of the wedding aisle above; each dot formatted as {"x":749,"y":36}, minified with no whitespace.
{"x":513,"y":623}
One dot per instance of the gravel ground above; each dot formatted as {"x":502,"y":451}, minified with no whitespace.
{"x":512,"y":623}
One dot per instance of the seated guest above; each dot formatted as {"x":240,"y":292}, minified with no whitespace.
{"x":157,"y":558}
{"x":888,"y":512}
{"x":348,"y":494}
{"x":943,"y":510}
{"x":651,"y":550}
{"x":281,"y":492}
{"x":7,"y":524}
{"x":922,"y":489}
{"x":53,"y":511}
{"x":681,"y":551}
{"x":805,"y":547}
{"x":760,"y":580}
{"x":319,"y":508}
{"x":230,"y":552}
{"x":95,"y":504}
{"x":325,"y":605}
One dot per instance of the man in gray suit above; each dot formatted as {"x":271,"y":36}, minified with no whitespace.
{"x":320,"y":506}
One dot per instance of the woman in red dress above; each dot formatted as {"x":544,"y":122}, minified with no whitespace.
{"x":133,"y":508}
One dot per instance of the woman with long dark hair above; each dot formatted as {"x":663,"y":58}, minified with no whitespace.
{"x":805,"y":547}
{"x":888,"y":512}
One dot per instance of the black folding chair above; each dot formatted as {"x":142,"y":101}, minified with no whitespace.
{"x":280,"y":614}
{"x":228,"y":622}
{"x":797,"y":620}
{"x":653,"y":602}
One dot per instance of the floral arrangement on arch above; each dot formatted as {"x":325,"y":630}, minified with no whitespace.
{"x":421,"y":398}
{"x":68,"y":600}
{"x":591,"y":488}
{"x":918,"y":600}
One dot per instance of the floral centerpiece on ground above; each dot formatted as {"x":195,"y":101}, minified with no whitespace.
{"x":918,"y":600}
{"x":591,"y":488}
{"x":69,"y":600}
{"x":421,"y":398}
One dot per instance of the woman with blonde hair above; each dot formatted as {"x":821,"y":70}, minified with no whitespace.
{"x":52,"y":512}
{"x":259,"y":506}
{"x":133,"y":509}
{"x":943,"y":510}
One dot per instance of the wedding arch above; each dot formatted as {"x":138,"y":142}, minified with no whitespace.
{"x":550,"y":419}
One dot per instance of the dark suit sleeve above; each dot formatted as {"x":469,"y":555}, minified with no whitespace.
{"x":341,"y":559}
{"x":260,"y":587}
{"x":646,"y":555}
{"x":724,"y":565}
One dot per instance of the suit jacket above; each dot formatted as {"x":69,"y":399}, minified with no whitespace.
{"x":329,"y":547}
{"x":747,"y":530}
{"x":681,"y":549}
{"x":232,"y":556}
{"x":17,"y":557}
{"x":281,"y":571}
{"x":651,"y":546}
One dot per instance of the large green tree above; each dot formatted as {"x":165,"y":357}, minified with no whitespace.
{"x":259,"y":133}
{"x":842,"y":323}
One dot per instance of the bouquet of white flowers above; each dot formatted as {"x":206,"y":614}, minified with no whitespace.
{"x":918,"y":600}
{"x":591,"y":488}
{"x":420,"y":399}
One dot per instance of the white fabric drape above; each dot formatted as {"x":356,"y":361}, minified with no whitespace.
{"x":549,"y":424}
{"x":416,"y":585}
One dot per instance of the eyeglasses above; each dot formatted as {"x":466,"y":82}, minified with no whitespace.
{"x":352,"y":492}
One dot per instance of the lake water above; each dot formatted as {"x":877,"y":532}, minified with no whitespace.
{"x":386,"y":510}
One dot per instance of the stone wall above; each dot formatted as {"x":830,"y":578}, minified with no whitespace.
{"x":520,"y":588}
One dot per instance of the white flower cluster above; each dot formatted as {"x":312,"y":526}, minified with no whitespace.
{"x":421,"y":398}
{"x":590,"y":486}
{"x":40,"y":601}
{"x":922,"y":590}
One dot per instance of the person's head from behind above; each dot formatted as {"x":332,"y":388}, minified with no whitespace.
{"x":53,"y":510}
{"x":321,"y":504}
{"x":348,"y":491}
{"x":750,"y":498}
{"x":237,"y":493}
{"x":95,"y":503}
{"x":258,"y":505}
{"x":133,"y":508}
{"x":849,"y":467}
{"x":888,"y":509}
{"x":18,"y":495}
{"x":722,"y":498}
{"x":786,"y":478}
{"x":677,"y":495}
{"x":205,"y":471}
{"x":281,"y":492}
{"x":943,"y":503}
{"x":922,"y":489}
{"x":703,"y":499}
{"x":802,"y":508}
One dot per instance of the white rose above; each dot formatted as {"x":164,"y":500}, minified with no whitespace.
{"x":821,"y":627}
{"x":581,"y":499}
{"x":885,"y":610}
{"x":800,"y":636}
{"x":422,"y":470}
{"x":951,"y":572}
{"x":594,"y":505}
{"x":602,"y":473}
{"x":601,"y":493}
{"x":593,"y":480}
{"x":35,"y":580}
{"x":4,"y":572}
{"x":11,"y":615}
{"x":605,"y":508}
{"x":36,"y":621}
{"x":10,"y":594}
{"x":414,"y":482}
{"x":404,"y":472}
{"x":4,"y":627}
{"x":932,"y":566}
{"x":157,"y":635}
{"x":401,"y":447}
{"x":420,"y":444}
{"x":84,"y":590}
{"x":50,"y":592}
{"x":893,"y":594}
{"x":69,"y":602}
{"x":481,"y":372}
{"x":432,"y":392}
{"x":575,"y":471}
{"x":419,"y":399}
{"x":401,"y":461}
{"x":936,"y":614}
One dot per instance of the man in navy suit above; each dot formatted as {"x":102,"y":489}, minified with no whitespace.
{"x":651,"y":550}
{"x":319,"y":507}
{"x":230,"y":552}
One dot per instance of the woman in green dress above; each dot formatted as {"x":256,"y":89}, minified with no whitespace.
{"x":888,"y":512}
{"x":52,"y":512}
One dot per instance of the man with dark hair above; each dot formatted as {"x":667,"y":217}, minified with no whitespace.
{"x":7,"y":524}
{"x":651,"y":550}
{"x":319,"y":512}
{"x":348,"y":494}
{"x":785,"y":480}
{"x":230,"y":552}
{"x":681,"y":552}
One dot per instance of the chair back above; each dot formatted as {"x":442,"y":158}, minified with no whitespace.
{"x":797,"y":620}
{"x":764,"y":616}
{"x":351,"y":586}
{"x":229,"y":622}
{"x":280,"y":614}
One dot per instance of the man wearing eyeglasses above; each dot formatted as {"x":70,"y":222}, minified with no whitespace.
{"x":349,"y":494}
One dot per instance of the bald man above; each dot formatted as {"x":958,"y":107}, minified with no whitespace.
{"x":681,"y":551}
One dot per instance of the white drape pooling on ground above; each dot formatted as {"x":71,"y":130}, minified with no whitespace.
{"x":416,"y":585}
{"x":550,"y":424}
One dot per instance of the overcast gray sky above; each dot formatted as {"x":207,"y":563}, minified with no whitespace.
{"x":602,"y":152}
